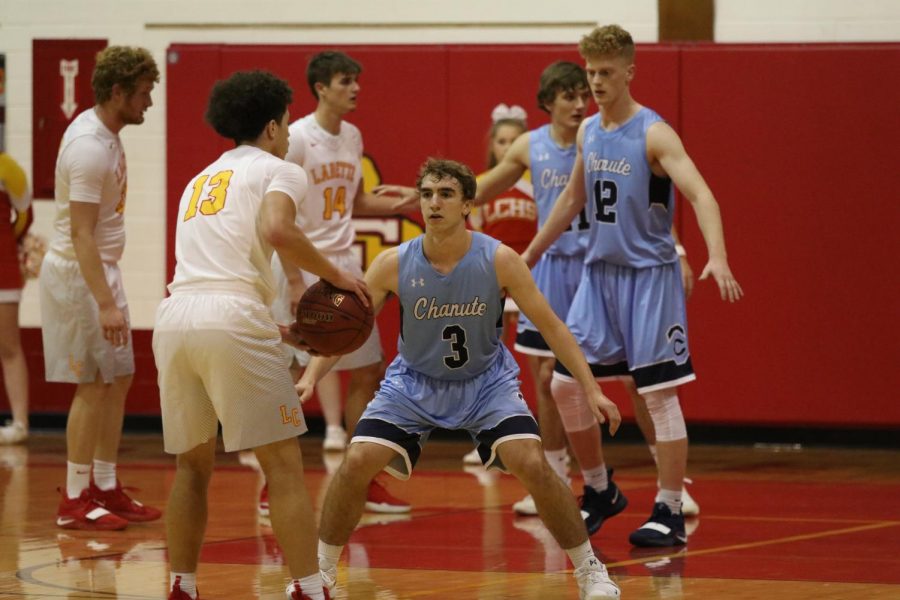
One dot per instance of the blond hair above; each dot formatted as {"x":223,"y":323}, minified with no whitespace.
{"x":124,"y":65}
{"x":608,"y":40}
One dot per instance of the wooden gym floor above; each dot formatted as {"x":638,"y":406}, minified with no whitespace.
{"x":775,"y":522}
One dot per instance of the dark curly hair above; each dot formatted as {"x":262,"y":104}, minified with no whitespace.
{"x":124,"y":65}
{"x":561,"y":76}
{"x":439,"y":168}
{"x":325,"y":65}
{"x":241,"y":106}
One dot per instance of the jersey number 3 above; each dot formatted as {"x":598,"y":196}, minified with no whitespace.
{"x":215,"y":199}
{"x":456,"y":335}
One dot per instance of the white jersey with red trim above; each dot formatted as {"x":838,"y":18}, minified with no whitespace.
{"x":217,"y":240}
{"x":90,"y":167}
{"x":334,"y":166}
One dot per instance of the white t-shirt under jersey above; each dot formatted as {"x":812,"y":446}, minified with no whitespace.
{"x":334,"y":166}
{"x":90,"y":167}
{"x":217,"y":241}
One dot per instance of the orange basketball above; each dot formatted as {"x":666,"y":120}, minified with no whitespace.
{"x":333,"y":321}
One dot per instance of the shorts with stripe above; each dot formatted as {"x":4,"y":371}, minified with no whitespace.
{"x":219,"y":359}
{"x":369,"y":353}
{"x":409,"y":405}
{"x":632,"y":321}
{"x":557,"y":278}
{"x":74,"y":347}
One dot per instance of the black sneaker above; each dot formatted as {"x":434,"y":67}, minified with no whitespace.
{"x":596,"y":506}
{"x":661,"y":529}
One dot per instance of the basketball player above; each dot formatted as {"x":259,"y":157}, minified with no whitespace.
{"x":216,"y":345}
{"x":549,"y":152}
{"x":453,"y":371}
{"x":84,"y":313}
{"x":14,"y":196}
{"x":628,"y":314}
{"x":330,"y":151}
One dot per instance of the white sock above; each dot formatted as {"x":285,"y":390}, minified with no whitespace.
{"x":596,"y":478}
{"x":187,"y":582}
{"x":580,"y":553}
{"x":557,"y":460}
{"x":104,"y":475}
{"x":652,"y":449}
{"x":311,"y":586}
{"x":328,"y":555}
{"x":78,"y":478}
{"x":671,"y":498}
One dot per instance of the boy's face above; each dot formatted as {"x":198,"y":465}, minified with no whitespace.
{"x":609,"y":77}
{"x":570,"y":107}
{"x":442,"y":202}
{"x":341,"y":93}
{"x":282,"y":135}
{"x":131,"y":107}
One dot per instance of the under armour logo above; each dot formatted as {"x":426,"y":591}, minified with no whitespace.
{"x":420,"y":282}
{"x":543,"y":156}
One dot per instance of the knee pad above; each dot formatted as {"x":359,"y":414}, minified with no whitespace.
{"x":571,"y":402}
{"x":665,"y":410}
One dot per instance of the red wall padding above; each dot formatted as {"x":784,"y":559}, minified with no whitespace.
{"x":797,"y":142}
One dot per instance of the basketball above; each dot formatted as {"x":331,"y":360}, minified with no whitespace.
{"x":333,"y":321}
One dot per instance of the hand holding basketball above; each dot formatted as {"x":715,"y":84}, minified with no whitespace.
{"x":333,"y":321}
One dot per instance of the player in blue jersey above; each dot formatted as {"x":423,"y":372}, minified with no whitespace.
{"x":549,"y":153}
{"x":453,"y":371}
{"x":628,"y":314}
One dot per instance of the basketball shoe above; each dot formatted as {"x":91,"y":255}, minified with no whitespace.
{"x":178,"y":594}
{"x":119,"y":503}
{"x":689,"y":506}
{"x":661,"y":529}
{"x":594,"y":582}
{"x":83,"y":512}
{"x":472,"y":458}
{"x":263,"y":506}
{"x":596,"y":506}
{"x":379,"y":500}
{"x":335,"y":439}
{"x":13,"y":433}
{"x":294,"y":592}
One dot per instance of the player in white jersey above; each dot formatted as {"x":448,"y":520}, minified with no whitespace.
{"x":217,"y":347}
{"x":84,"y":313}
{"x":330,"y":150}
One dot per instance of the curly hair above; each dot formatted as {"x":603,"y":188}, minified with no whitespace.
{"x":561,"y":76}
{"x":439,"y":168}
{"x":325,"y":65}
{"x":608,"y":40}
{"x":125,"y":65}
{"x":241,"y":106}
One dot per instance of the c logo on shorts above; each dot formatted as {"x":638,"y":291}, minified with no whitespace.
{"x":291,"y":417}
{"x":676,"y":337}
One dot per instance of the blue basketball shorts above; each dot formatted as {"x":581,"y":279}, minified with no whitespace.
{"x":557,"y":278}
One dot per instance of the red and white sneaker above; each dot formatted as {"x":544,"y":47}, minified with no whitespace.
{"x":295,"y":593}
{"x":178,"y":594}
{"x":379,"y":500}
{"x":263,"y":506}
{"x":84,"y":513}
{"x":119,"y":503}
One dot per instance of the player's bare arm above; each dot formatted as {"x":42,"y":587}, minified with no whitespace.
{"x":84,"y":217}
{"x":567,"y":206}
{"x":665,"y":151}
{"x":277,"y":223}
{"x":513,"y":276}
{"x":506,"y":173}
{"x":381,"y":279}
{"x":403,"y":198}
{"x":384,"y":200}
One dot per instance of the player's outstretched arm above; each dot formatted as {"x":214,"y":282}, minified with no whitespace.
{"x":400,"y":198}
{"x":506,"y":173}
{"x":277,"y":225}
{"x":567,"y":205}
{"x":514,"y":276}
{"x":665,"y":147}
{"x":381,"y":280}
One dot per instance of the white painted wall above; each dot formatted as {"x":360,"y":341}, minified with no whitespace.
{"x":155,"y":24}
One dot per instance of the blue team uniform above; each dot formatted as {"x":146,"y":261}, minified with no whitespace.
{"x":452,"y":369}
{"x":628,"y":314}
{"x":558,"y":271}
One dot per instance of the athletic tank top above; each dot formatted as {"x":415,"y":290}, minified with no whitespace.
{"x":450,"y":324}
